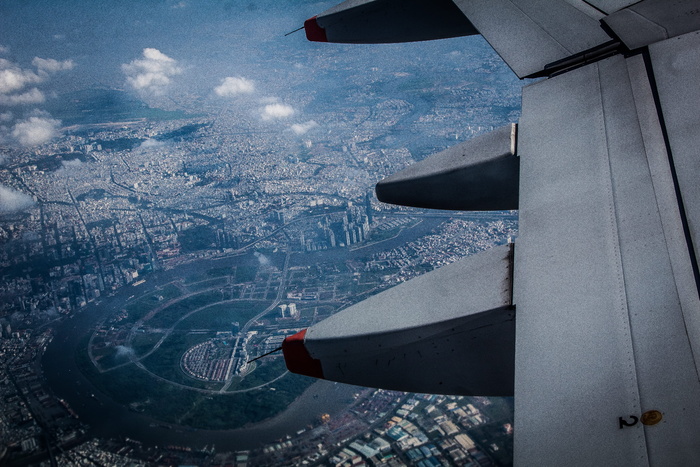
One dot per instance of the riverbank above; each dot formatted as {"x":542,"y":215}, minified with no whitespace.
{"x":109,"y":419}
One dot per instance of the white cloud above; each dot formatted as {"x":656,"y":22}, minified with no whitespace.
{"x":12,"y":200}
{"x":15,"y":82}
{"x":49,"y":65}
{"x":234,"y":85}
{"x":124,"y":351}
{"x":151,"y":74}
{"x":69,"y":167}
{"x":13,"y":78}
{"x":35,"y":131}
{"x":4,"y":49}
{"x":33,"y":96}
{"x":72,"y":164}
{"x":151,"y":143}
{"x":301,"y":128}
{"x":6,"y":116}
{"x":271,"y":111}
{"x":262,"y":259}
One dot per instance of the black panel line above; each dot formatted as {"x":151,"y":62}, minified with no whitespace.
{"x":674,"y":175}
{"x":594,"y":7}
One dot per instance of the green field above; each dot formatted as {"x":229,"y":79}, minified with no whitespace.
{"x":149,"y":302}
{"x":190,"y":321}
{"x":206,"y":284}
{"x":173,"y":404}
{"x":173,"y":319}
{"x":235,"y":410}
{"x":265,"y":371}
{"x":169,"y":315}
{"x":221,"y":316}
{"x":143,"y":341}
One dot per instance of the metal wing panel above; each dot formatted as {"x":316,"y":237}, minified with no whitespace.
{"x":385,"y":21}
{"x":474,"y":284}
{"x":596,"y":277}
{"x":585,"y":7}
{"x":676,"y":66}
{"x":477,"y":175}
{"x":529,"y":34}
{"x":611,"y":6}
{"x":662,"y":350}
{"x":467,"y":356}
{"x":635,"y":30}
{"x":651,"y":21}
{"x":574,"y":358}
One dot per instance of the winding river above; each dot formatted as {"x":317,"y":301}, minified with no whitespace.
{"x":112,"y":420}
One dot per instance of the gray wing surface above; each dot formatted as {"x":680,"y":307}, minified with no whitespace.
{"x":603,"y":276}
{"x":605,"y":281}
{"x":539,"y":32}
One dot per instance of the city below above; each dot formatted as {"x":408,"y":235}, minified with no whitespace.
{"x":153,"y":247}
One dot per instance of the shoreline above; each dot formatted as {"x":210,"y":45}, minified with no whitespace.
{"x":109,"y":419}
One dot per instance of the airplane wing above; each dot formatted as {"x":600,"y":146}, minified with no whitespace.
{"x":592,"y":319}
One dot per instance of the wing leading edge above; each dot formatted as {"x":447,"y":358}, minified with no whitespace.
{"x":605,"y":282}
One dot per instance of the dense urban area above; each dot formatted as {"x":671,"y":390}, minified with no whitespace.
{"x":155,"y":240}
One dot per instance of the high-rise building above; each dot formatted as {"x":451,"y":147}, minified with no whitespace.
{"x":293,"y":312}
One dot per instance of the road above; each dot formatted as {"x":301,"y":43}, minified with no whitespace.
{"x":246,"y":326}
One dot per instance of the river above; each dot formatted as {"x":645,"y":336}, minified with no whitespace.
{"x":111,"y":420}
